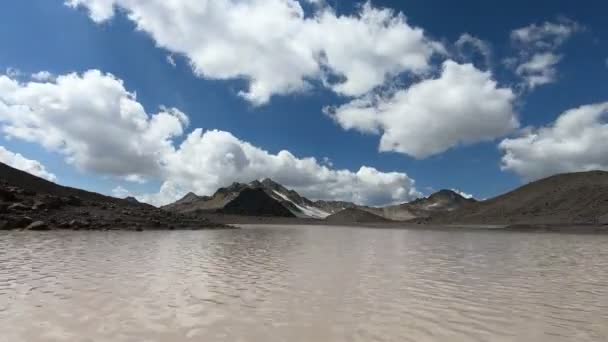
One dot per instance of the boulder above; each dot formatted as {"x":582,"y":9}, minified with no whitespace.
{"x":603,"y":220}
{"x":19,"y":207}
{"x":53,"y":202}
{"x":6,"y":195}
{"x":72,"y":200}
{"x":39,"y":205}
{"x":6,"y":225}
{"x":38,"y":226}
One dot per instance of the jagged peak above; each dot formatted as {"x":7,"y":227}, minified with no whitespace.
{"x":131,"y":199}
{"x":190,"y":195}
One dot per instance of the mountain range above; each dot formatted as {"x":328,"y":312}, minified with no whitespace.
{"x":573,"y":199}
{"x":275,"y":195}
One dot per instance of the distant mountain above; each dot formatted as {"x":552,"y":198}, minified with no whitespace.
{"x":355,"y":215}
{"x":256,"y":202}
{"x":296,"y":204}
{"x":444,"y":200}
{"x":132,"y":199}
{"x":303,"y":207}
{"x":574,"y":198}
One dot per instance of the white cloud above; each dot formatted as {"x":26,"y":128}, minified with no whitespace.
{"x":18,"y":161}
{"x":276,"y":46}
{"x":91,"y":119}
{"x":540,"y":69}
{"x":462,"y":106}
{"x":467,"y":41}
{"x":208,"y":160}
{"x":42,"y":76}
{"x":577,"y":141}
{"x":537,"y":61}
{"x":171,"y":60}
{"x":547,"y":36}
{"x":100,"y":127}
{"x":463,"y":194}
{"x":120,"y":192}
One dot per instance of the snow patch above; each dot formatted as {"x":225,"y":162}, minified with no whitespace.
{"x":307,"y":210}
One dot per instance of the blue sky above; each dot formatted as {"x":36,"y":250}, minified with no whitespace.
{"x":48,"y":35}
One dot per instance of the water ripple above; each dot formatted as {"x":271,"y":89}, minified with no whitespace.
{"x":303,"y":284}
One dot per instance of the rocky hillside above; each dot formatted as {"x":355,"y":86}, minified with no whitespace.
{"x":355,"y":215}
{"x":444,"y":200}
{"x":575,"y":198}
{"x":30,"y":202}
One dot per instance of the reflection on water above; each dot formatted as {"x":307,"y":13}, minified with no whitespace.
{"x":303,"y":284}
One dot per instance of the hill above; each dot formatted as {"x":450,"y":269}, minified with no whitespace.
{"x":444,"y":200}
{"x":27,"y":201}
{"x":355,"y":215}
{"x":574,"y":198}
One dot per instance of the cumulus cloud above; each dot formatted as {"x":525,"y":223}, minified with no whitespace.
{"x":18,"y":161}
{"x":208,"y":160}
{"x":42,"y":76}
{"x":576,"y":141}
{"x":537,"y":61}
{"x":100,"y":127}
{"x":276,"y":46}
{"x":462,"y":106}
{"x":93,"y":120}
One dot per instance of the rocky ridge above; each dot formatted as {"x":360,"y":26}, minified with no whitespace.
{"x":31,"y":203}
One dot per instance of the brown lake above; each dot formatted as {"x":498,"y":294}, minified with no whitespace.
{"x":303,"y":284}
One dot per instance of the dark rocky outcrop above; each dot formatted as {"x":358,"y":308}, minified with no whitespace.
{"x":256,"y":202}
{"x":31,"y":203}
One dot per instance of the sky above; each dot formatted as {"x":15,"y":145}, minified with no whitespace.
{"x":374,"y":102}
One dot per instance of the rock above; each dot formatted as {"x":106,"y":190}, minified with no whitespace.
{"x":39,"y":205}
{"x":72,"y":200}
{"x":19,"y":207}
{"x":23,"y":221}
{"x":603,"y":220}
{"x":52,"y":202}
{"x":78,"y":224}
{"x":38,"y":226}
{"x":6,"y":225}
{"x":6,"y":195}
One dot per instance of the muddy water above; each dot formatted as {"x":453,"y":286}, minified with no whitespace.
{"x":303,"y":284}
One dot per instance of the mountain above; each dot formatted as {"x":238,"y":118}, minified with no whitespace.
{"x":256,"y":202}
{"x":355,"y":215}
{"x":303,"y":207}
{"x":30,"y":202}
{"x":574,"y":198}
{"x":444,"y":200}
{"x":296,"y":204}
{"x":132,"y":199}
